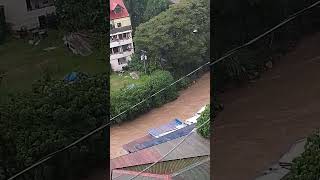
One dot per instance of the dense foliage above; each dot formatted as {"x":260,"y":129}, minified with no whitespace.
{"x":129,"y":96}
{"x":307,"y":166}
{"x":143,"y":10}
{"x":52,"y":116}
{"x":170,"y":40}
{"x":203,"y":125}
{"x":75,"y":15}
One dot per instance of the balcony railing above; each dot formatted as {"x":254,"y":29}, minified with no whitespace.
{"x":119,"y":40}
{"x":121,"y":29}
{"x":123,"y":51}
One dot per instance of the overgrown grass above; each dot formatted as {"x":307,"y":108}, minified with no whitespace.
{"x":118,"y":82}
{"x":23,"y":64}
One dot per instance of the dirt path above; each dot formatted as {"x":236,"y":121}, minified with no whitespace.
{"x":188,"y":103}
{"x":262,"y":121}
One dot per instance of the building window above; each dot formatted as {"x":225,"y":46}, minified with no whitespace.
{"x":119,"y":24}
{"x":113,"y":38}
{"x":122,"y":61}
{"x":115,"y":50}
{"x":128,"y":35}
{"x":117,"y":9}
{"x":126,"y":47}
{"x":125,"y":36}
{"x":120,"y":36}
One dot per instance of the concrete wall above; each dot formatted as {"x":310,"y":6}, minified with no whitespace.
{"x":17,"y":14}
{"x":114,"y":60}
{"x":124,"y":22}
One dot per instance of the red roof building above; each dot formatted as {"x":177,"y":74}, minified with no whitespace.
{"x":118,"y":10}
{"x":121,"y":43}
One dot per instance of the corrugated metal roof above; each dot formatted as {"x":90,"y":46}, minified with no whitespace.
{"x":126,"y":175}
{"x":194,"y":146}
{"x":168,"y":137}
{"x":199,"y":171}
{"x":141,"y":157}
{"x":130,"y":147}
{"x":168,"y":167}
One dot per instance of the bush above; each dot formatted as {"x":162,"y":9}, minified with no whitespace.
{"x":128,"y":97}
{"x":204,"y":129}
{"x":307,"y":166}
{"x":184,"y":83}
{"x":53,"y":115}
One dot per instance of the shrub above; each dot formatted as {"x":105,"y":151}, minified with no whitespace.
{"x":204,"y":129}
{"x":307,"y":166}
{"x":128,"y":97}
{"x":184,"y":83}
{"x":52,"y":116}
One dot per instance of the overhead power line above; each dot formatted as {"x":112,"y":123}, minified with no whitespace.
{"x":228,"y":54}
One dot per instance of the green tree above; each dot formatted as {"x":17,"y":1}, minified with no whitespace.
{"x":203,"y":125}
{"x":143,"y":10}
{"x":127,"y":97}
{"x":154,"y":7}
{"x":53,"y":115}
{"x":75,"y":15}
{"x":170,"y":36}
{"x":307,"y":166}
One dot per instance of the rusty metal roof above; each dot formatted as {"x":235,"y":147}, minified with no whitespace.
{"x":194,"y":146}
{"x":188,"y":169}
{"x":168,"y":167}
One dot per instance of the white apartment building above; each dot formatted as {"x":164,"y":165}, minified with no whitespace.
{"x":121,"y":44}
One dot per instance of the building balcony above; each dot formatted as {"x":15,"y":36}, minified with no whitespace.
{"x":116,"y":43}
{"x":121,"y":29}
{"x":121,"y":54}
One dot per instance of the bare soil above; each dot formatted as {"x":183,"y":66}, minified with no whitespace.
{"x":188,"y":103}
{"x":260,"y":122}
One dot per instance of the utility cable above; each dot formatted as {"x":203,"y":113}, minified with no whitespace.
{"x":229,"y":53}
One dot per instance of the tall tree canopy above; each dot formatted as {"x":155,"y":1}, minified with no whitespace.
{"x":53,"y":115}
{"x":143,"y":10}
{"x":77,"y":15}
{"x":170,"y":38}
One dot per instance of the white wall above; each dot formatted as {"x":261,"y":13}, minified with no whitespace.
{"x":17,"y":14}
{"x":114,"y":60}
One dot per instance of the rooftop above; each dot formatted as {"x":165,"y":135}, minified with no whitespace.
{"x":194,"y":146}
{"x":123,"y":10}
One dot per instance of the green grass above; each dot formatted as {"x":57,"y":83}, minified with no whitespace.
{"x":117,"y":82}
{"x":23,"y":64}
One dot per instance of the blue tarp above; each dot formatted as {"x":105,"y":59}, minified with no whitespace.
{"x":165,"y":128}
{"x":168,"y":137}
{"x":71,"y":77}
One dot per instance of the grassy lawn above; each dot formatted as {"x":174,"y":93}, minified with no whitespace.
{"x":117,"y":82}
{"x":24,"y":63}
